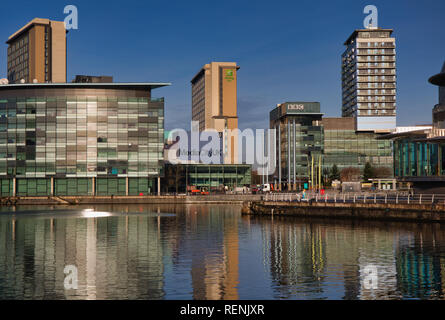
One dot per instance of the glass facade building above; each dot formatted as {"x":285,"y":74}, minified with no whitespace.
{"x":346,"y":147}
{"x":80,"y":139}
{"x":419,"y":155}
{"x":299,"y":140}
{"x":208,"y":177}
{"x":307,"y":143}
{"x":418,"y":158}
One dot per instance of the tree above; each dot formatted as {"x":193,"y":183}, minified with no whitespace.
{"x":382,"y":172}
{"x":368,"y":172}
{"x":350,"y":174}
{"x":334,"y":174}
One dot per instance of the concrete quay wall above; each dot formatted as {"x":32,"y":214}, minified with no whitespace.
{"x":364,"y":211}
{"x":66,"y":200}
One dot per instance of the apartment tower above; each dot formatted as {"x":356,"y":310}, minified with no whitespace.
{"x":214,"y":104}
{"x":369,"y":79}
{"x":37,"y":52}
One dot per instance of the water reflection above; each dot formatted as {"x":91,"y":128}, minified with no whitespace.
{"x":212,"y":252}
{"x":311,"y":259}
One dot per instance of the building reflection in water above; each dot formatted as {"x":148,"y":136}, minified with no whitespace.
{"x":210,"y":240}
{"x":307,"y":260}
{"x":194,"y":252}
{"x":118,"y":257}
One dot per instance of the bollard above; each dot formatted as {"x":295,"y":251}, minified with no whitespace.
{"x":386,"y":198}
{"x":420,"y":199}
{"x":375,"y":197}
{"x":408,"y":199}
{"x":397,"y":198}
{"x":335,"y":198}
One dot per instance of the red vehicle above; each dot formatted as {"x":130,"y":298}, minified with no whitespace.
{"x":205,"y":193}
{"x":195,"y":191}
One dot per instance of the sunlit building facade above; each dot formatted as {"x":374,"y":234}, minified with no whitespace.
{"x":80,"y":139}
{"x":37,"y":52}
{"x":214,"y":104}
{"x":369,"y":79}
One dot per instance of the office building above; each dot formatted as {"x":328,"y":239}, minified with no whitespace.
{"x":214,"y":103}
{"x":419,"y":155}
{"x":37,"y":52}
{"x":80,"y":139}
{"x":369,"y":79}
{"x":299,"y":142}
{"x":213,"y":178}
{"x":308,"y":146}
{"x":345,"y":147}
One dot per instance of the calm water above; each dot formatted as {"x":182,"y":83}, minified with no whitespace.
{"x":212,"y":252}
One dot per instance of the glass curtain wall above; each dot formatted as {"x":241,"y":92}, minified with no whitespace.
{"x":413,"y":159}
{"x":348,"y":148}
{"x":73,"y":139}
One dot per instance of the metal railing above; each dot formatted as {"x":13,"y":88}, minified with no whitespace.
{"x":351,"y":197}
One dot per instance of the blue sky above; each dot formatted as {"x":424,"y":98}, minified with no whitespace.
{"x":287,"y":50}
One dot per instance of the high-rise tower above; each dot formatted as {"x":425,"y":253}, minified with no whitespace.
{"x":369,"y":79}
{"x":37,"y":52}
{"x":214,"y":103}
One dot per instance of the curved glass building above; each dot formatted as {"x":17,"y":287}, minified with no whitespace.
{"x":80,"y":139}
{"x":419,"y":156}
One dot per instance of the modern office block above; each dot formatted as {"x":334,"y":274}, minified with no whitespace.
{"x":299,"y":141}
{"x":214,"y":103}
{"x":80,"y":139}
{"x":345,"y":147}
{"x":37,"y":52}
{"x":369,"y":79}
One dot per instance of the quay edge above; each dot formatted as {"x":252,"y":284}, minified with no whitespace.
{"x":363,"y":211}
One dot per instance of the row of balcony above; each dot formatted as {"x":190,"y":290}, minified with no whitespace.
{"x":376,"y":58}
{"x":372,"y":45}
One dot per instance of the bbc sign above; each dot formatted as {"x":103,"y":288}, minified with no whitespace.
{"x":293,"y":106}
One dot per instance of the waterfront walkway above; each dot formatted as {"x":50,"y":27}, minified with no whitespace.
{"x":238,"y":199}
{"x":358,"y":197}
{"x":420,"y":208}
